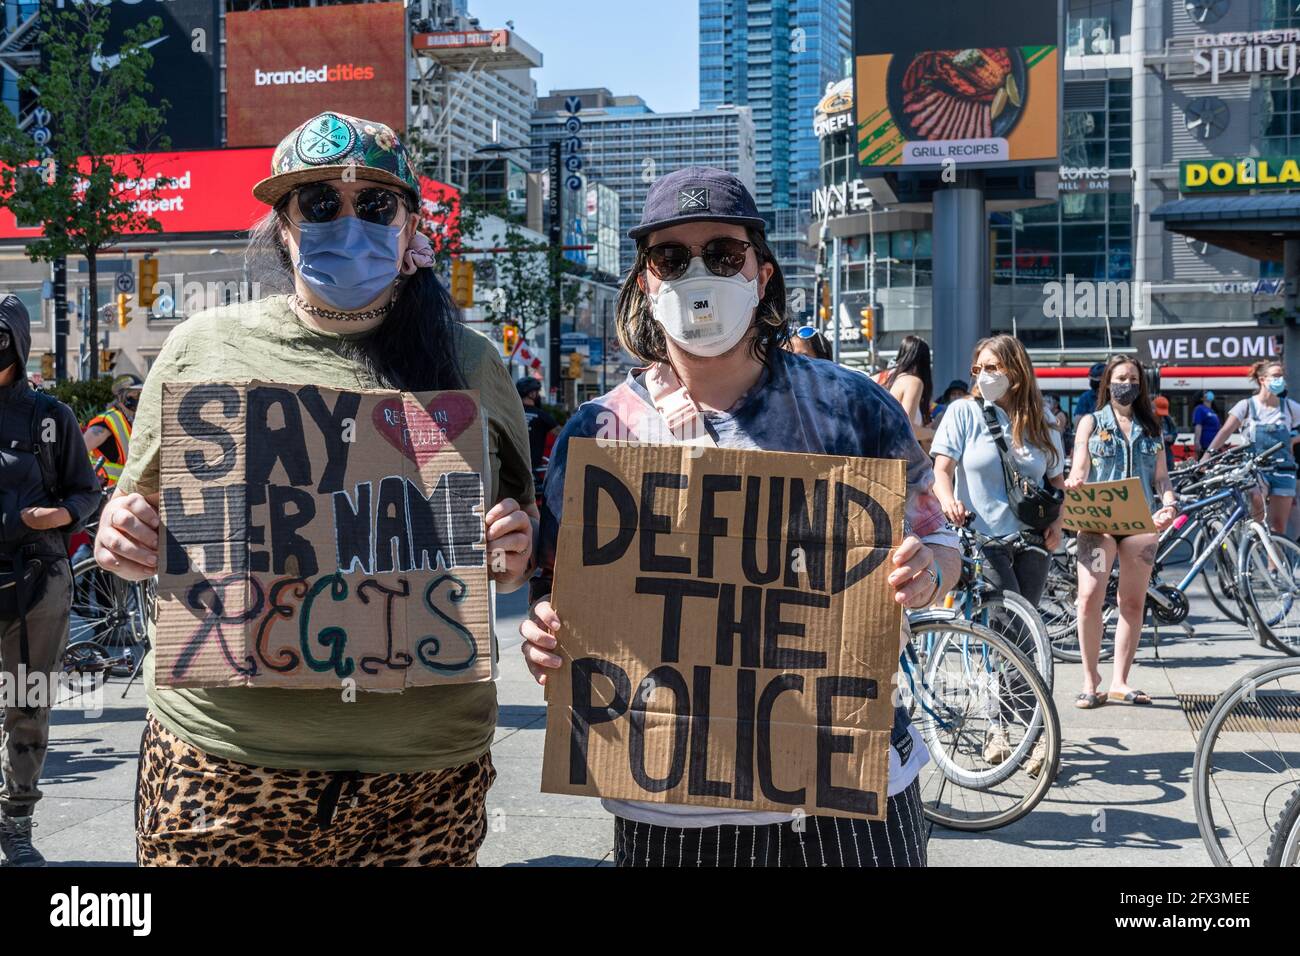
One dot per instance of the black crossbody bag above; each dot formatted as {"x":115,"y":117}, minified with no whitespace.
{"x":1035,"y":506}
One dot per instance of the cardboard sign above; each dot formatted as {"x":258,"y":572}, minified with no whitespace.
{"x":1109,"y":507}
{"x":729,"y":636}
{"x":311,"y":536}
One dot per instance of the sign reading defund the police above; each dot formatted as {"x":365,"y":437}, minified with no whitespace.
{"x":1109,"y":507}
{"x":729,"y":636}
{"x":313,"y":536}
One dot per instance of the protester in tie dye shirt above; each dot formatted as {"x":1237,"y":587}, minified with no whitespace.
{"x":704,"y":307}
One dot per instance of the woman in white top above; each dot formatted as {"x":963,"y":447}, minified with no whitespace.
{"x":1268,"y":419}
{"x":909,"y":381}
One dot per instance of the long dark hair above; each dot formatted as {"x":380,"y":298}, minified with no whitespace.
{"x":643,"y":337}
{"x":413,"y":349}
{"x":914,"y":359}
{"x":1143,"y":410}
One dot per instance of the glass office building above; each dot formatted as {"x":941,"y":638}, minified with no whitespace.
{"x":626,"y":145}
{"x":775,"y":56}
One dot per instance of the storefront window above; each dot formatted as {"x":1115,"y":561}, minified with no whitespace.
{"x":1094,"y":27}
{"x":1275,"y":14}
{"x":1278,"y":116}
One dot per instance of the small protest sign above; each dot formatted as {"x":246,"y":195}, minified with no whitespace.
{"x":311,"y":536}
{"x":729,"y":635}
{"x":1109,"y":507}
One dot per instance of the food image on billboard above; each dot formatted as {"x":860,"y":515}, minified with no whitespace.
{"x":285,"y":66}
{"x":971,"y":82}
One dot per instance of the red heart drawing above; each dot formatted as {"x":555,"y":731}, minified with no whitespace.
{"x":420,"y":433}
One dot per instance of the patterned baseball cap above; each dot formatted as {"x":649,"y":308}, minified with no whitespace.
{"x":330,"y":143}
{"x":696,"y":193}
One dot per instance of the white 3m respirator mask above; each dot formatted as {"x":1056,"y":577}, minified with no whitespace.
{"x":706,"y":314}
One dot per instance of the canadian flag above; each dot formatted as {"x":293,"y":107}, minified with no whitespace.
{"x":527,"y":357}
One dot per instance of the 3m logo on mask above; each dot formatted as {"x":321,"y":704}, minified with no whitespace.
{"x":703,"y":324}
{"x":693,"y":200}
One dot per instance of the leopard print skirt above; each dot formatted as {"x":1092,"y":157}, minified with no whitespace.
{"x":196,"y":809}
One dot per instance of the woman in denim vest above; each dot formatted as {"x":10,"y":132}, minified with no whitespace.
{"x":1120,"y":440}
{"x":1267,"y":419}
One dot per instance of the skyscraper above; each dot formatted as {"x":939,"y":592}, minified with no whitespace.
{"x":776,"y":57}
{"x":626,"y":146}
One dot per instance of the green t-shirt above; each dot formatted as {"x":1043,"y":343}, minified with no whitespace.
{"x":424,"y":728}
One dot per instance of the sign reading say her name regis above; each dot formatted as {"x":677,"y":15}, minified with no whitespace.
{"x":311,"y":536}
{"x":730,"y":638}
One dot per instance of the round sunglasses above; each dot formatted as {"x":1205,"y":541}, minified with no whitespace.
{"x":723,"y":257}
{"x":321,"y":202}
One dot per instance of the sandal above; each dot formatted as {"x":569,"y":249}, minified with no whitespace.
{"x":1139,"y":698}
{"x":1090,"y":701}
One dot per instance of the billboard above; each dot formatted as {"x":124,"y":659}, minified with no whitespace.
{"x":211,"y":190}
{"x":976,"y":83}
{"x":188,"y":48}
{"x":1238,"y":174}
{"x":285,"y":66}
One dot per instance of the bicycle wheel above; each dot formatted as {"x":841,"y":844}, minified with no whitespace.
{"x":1284,"y":846}
{"x":1220,"y":573}
{"x":108,"y":611}
{"x":1016,"y":619}
{"x":86,"y":657}
{"x":1272,"y":591}
{"x":1247,"y":763}
{"x":976,"y":682}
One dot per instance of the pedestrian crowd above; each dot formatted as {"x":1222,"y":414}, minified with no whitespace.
{"x":304,"y":776}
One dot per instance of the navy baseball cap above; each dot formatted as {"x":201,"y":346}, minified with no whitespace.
{"x":693,"y":194}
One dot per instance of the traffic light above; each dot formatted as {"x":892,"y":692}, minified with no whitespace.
{"x":868,"y":322}
{"x":148,"y":278}
{"x":575,"y":365}
{"x":47,"y":366}
{"x":462,"y":283}
{"x":825,"y":311}
{"x":123,"y":312}
{"x":510,"y":338}
{"x":107,"y":359}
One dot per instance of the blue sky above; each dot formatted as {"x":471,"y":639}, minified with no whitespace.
{"x":646,"y":47}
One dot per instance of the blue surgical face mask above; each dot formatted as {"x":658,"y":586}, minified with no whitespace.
{"x":1277,"y":385}
{"x":1209,"y":396}
{"x":347,"y":262}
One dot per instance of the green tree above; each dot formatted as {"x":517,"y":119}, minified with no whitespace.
{"x":521,"y":282}
{"x":80,"y":188}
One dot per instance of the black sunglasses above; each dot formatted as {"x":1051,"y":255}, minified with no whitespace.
{"x":321,"y":202}
{"x":723,"y":256}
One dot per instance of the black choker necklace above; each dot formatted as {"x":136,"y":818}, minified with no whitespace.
{"x":336,"y":316}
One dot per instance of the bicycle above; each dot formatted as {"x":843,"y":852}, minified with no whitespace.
{"x":108,"y":625}
{"x":972,"y":681}
{"x":1246,"y":772}
{"x":975,"y":599}
{"x":1284,"y":845}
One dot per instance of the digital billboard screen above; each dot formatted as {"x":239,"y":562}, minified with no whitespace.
{"x":185,"y":64}
{"x":285,"y":66}
{"x":974,"y":83}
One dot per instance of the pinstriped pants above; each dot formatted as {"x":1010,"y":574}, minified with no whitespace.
{"x":899,"y":840}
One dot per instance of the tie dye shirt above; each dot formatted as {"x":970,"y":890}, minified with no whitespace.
{"x":798,"y":405}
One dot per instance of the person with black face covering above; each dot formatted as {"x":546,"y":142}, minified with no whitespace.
{"x":47,"y":488}
{"x":108,"y":434}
